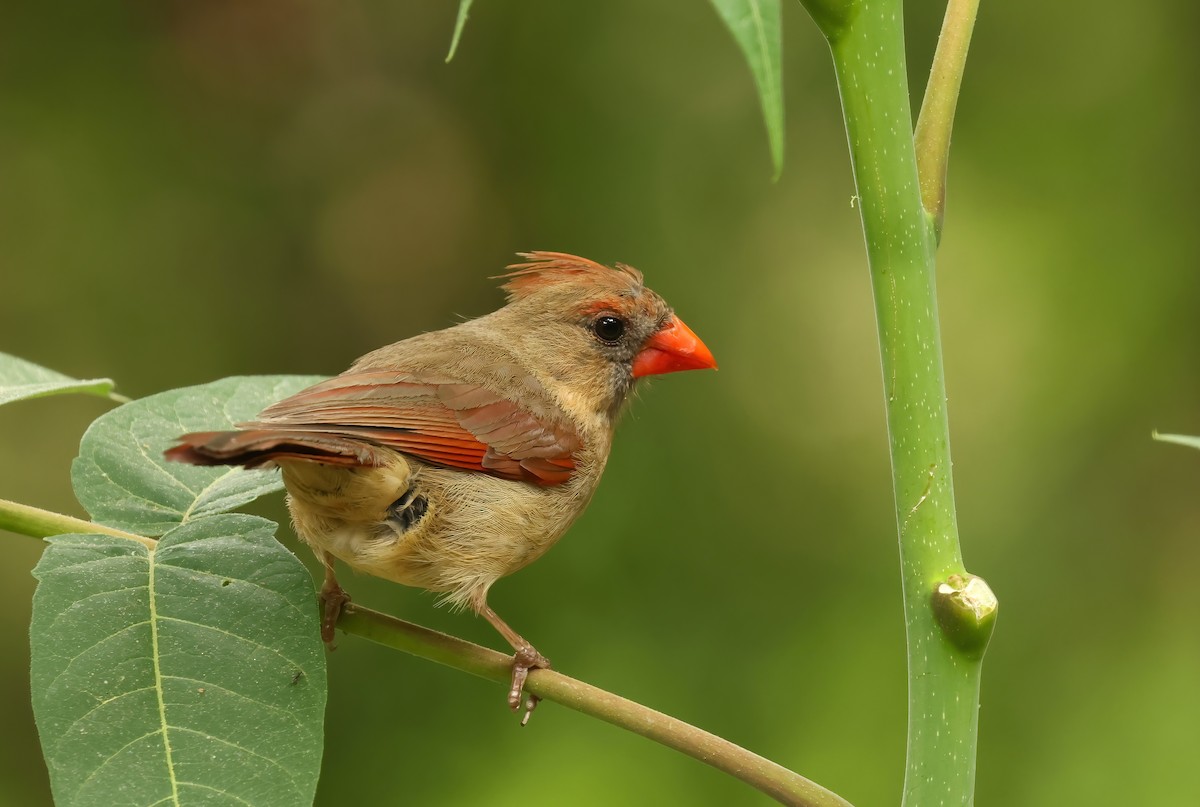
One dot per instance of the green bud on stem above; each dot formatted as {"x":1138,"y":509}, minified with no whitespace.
{"x":966,"y":608}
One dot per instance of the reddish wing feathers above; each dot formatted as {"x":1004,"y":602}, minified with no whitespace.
{"x":437,"y":420}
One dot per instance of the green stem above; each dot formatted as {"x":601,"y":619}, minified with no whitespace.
{"x":936,"y":120}
{"x":776,"y":781}
{"x":26,"y":520}
{"x":943,"y":677}
{"x":784,"y":785}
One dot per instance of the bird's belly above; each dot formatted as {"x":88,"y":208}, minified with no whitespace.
{"x":471,"y":530}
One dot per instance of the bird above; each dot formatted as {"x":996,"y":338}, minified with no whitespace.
{"x":456,"y":457}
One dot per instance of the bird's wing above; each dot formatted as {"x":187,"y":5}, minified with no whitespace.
{"x":438,"y":420}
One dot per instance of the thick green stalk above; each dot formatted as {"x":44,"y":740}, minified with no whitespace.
{"x":947,"y":612}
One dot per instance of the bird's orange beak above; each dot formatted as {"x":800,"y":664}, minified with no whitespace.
{"x":672,"y":349}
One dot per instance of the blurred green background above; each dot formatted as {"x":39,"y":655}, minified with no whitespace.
{"x":194,"y":190}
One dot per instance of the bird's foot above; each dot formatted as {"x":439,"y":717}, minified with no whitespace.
{"x":524,"y":660}
{"x":333,"y":600}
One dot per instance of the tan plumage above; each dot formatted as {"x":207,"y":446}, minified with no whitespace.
{"x":451,"y":459}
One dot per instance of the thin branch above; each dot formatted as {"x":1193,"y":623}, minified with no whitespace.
{"x":936,"y":120}
{"x":26,"y":520}
{"x":776,"y":781}
{"x":772,"y":779}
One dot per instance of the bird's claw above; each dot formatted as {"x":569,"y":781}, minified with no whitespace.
{"x":333,"y":600}
{"x":524,"y":660}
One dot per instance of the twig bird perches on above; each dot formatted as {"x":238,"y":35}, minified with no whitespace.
{"x":451,"y":459}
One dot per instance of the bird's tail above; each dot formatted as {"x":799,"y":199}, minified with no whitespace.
{"x":260,"y":445}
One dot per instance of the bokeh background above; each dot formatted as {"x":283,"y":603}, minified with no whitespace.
{"x":194,"y":190}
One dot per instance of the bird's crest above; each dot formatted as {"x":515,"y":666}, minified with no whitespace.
{"x":545,"y":268}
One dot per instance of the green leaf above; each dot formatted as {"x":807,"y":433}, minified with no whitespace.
{"x":188,"y":674}
{"x":20,"y":379}
{"x":124,"y":481}
{"x":464,"y":7}
{"x":1178,"y":439}
{"x":756,"y":25}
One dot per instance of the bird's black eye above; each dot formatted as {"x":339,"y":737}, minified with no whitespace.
{"x":608,"y":328}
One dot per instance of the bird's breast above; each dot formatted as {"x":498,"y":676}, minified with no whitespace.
{"x":435,"y":528}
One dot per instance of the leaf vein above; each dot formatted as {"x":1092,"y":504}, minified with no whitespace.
{"x":187,"y":514}
{"x":90,"y":648}
{"x":158,"y":687}
{"x":63,"y":735}
{"x":232,"y":635}
{"x":274,"y":762}
{"x":81,"y":601}
{"x":260,"y":586}
{"x":104,"y":763}
{"x":210,"y":685}
{"x":233,"y":796}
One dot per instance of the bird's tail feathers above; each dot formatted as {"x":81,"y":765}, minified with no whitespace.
{"x":258,"y":447}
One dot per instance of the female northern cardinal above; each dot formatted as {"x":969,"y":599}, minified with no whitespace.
{"x":454,"y":458}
